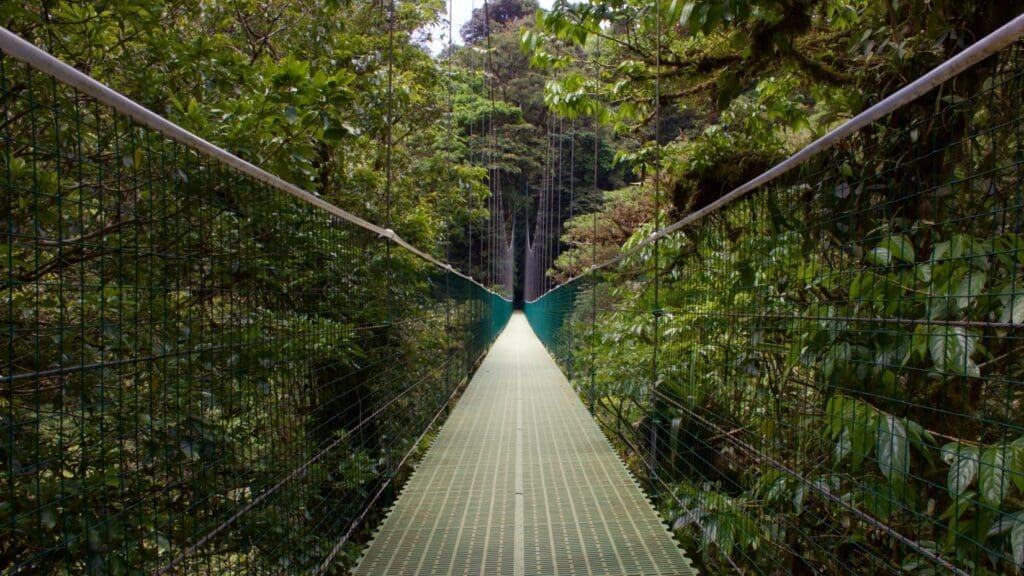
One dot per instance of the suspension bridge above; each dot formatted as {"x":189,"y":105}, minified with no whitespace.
{"x":196,"y":378}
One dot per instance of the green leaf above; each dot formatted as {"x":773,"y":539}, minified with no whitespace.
{"x":963,"y":466}
{"x":1017,"y":540}
{"x":970,"y":288}
{"x":920,"y":438}
{"x":893,"y":448}
{"x":957,"y":508}
{"x":841,"y":412}
{"x":1001,"y":526}
{"x":799,"y":494}
{"x":336,"y":133}
{"x":672,"y":11}
{"x":862,"y":427}
{"x":899,"y":247}
{"x":1013,"y":311}
{"x":842,"y":448}
{"x":923,"y":272}
{"x":686,"y":13}
{"x":1017,"y":464}
{"x":919,"y":342}
{"x":951,"y":348}
{"x":880,"y":255}
{"x":993,"y":476}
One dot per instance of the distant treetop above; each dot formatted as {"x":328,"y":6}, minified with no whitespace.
{"x":501,"y":13}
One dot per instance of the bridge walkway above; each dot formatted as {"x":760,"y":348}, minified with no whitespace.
{"x":521,"y":481}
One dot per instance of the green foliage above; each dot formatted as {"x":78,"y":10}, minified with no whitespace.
{"x":191,"y":353}
{"x":716,"y":523}
{"x":833,"y":357}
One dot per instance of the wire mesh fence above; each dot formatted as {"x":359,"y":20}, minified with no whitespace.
{"x":200,"y":373}
{"x":829,"y":379}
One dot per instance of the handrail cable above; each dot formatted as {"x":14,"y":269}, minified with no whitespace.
{"x":20,"y":49}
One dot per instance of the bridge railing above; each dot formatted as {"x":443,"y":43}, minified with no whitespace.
{"x":204,"y":369}
{"x":825,"y":375}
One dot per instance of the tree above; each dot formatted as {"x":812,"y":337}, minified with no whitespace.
{"x":502,"y":13}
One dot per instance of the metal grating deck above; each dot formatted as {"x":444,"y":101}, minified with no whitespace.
{"x":521,"y":481}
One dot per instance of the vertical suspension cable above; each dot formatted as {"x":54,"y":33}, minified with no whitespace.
{"x":557,"y":246}
{"x":593,"y":232}
{"x":528,"y":242}
{"x":656,"y":312}
{"x":389,"y":106}
{"x":492,"y":170}
{"x":572,"y":165}
{"x":389,"y":470}
{"x":545,"y":186}
{"x":542,"y":210}
{"x":483,"y":159}
{"x":538,"y":237}
{"x":538,"y":225}
{"x":572,"y":171}
{"x":553,"y":191}
{"x":549,"y":204}
{"x":449,"y":377}
{"x":469,"y":189}
{"x":495,"y":231}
